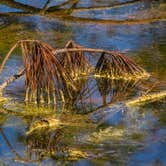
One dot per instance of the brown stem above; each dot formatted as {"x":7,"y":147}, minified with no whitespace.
{"x":45,"y":7}
{"x":12,"y":79}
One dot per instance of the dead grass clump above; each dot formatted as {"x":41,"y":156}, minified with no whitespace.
{"x":117,"y":66}
{"x":46,"y":78}
{"x":54,"y":75}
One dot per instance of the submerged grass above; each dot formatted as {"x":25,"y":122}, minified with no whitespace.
{"x":44,"y":123}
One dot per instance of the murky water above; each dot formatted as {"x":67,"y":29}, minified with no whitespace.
{"x":133,"y":135}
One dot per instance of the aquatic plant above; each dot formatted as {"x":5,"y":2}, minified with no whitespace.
{"x":76,"y":65}
{"x":118,"y":66}
{"x":41,"y":64}
{"x":54,"y":75}
{"x":44,"y":123}
{"x":111,"y":64}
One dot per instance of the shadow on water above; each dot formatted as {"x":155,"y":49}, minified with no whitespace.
{"x":135,"y":135}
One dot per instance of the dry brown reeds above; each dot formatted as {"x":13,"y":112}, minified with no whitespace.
{"x":76,"y":65}
{"x":54,"y":75}
{"x":117,"y":66}
{"x":45,"y":77}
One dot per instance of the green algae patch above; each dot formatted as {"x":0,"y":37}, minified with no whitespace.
{"x":44,"y":123}
{"x":109,"y":133}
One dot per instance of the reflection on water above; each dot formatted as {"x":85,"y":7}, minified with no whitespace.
{"x":126,"y":136}
{"x":137,"y":10}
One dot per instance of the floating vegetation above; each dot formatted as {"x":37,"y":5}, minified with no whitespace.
{"x":56,"y":76}
{"x":146,"y":98}
{"x":75,"y":154}
{"x":52,"y":141}
{"x":26,"y":111}
{"x":137,"y":136}
{"x":106,"y":134}
{"x":44,"y":123}
{"x":70,"y":155}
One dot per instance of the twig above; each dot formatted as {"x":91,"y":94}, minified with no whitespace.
{"x":11,"y":79}
{"x":45,"y":7}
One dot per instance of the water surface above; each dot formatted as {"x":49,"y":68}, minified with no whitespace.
{"x":137,"y":139}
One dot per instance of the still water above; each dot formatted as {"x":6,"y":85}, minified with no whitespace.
{"x":138,"y":137}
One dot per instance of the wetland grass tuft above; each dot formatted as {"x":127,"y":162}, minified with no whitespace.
{"x":54,"y":75}
{"x":115,"y":65}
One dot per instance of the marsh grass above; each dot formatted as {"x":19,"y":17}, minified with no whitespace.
{"x":60,"y":75}
{"x":117,"y":66}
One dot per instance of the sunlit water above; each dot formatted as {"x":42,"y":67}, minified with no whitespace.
{"x":132,"y":136}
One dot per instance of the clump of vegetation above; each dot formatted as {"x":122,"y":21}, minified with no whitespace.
{"x":116,"y":66}
{"x":54,"y":75}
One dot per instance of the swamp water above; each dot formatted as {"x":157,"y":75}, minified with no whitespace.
{"x":130,"y":135}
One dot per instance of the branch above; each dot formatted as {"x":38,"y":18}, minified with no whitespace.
{"x":45,"y":7}
{"x":12,"y":79}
